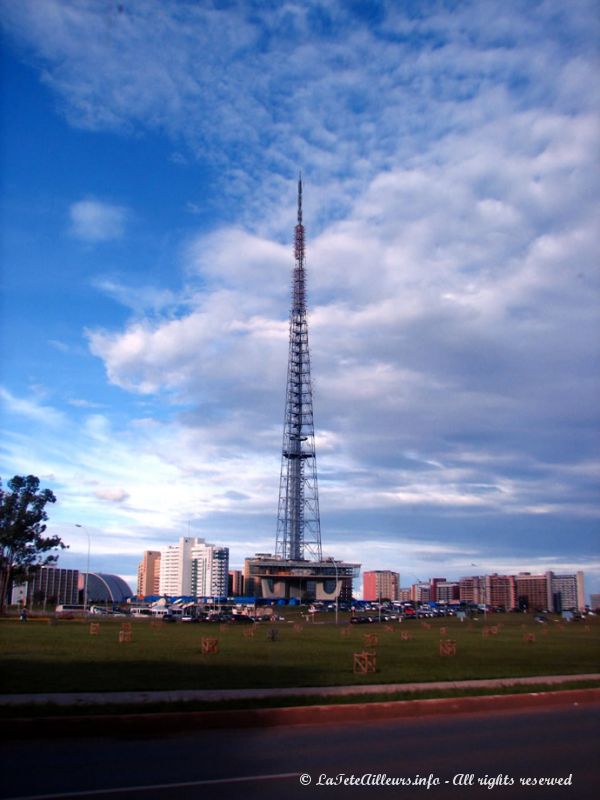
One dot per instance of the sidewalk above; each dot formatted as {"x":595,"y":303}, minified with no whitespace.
{"x":218,"y":695}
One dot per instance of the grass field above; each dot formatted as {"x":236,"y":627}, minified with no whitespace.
{"x":38,"y":657}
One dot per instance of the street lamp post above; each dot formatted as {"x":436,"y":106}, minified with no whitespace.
{"x":87,"y":570}
{"x":484,"y":586}
{"x":337,"y":594}
{"x":485,"y":598}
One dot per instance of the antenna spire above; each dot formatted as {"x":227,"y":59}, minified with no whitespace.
{"x":299,"y":230}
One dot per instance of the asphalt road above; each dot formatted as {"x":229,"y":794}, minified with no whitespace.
{"x":432,"y":752}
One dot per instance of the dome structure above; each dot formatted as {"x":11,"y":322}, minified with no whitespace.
{"x":104,"y":588}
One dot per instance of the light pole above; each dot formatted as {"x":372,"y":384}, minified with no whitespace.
{"x":337,"y":594}
{"x":87,"y":570}
{"x":484,"y":587}
{"x":417,"y":593}
{"x":485,"y":598}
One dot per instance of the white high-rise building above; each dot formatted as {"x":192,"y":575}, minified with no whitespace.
{"x":210,"y":570}
{"x":176,"y":567}
{"x":194,"y":567}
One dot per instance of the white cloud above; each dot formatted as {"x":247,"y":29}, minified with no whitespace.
{"x":77,"y":402}
{"x":147,"y":476}
{"x":451,"y":202}
{"x":140,"y":299}
{"x":230,"y":328}
{"x":265,"y":92}
{"x":95,"y":221}
{"x":112,"y":495}
{"x":441,"y":313}
{"x":29,"y":408}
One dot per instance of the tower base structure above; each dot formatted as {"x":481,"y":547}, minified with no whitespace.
{"x":276,"y":578}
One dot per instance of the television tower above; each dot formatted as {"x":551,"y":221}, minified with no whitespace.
{"x":298,"y":521}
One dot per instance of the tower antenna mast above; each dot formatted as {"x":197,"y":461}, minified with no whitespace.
{"x":298,"y":520}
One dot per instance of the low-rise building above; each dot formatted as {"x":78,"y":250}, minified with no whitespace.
{"x":50,"y":585}
{"x":274,"y":577}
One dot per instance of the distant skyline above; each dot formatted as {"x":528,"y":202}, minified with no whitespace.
{"x":149,"y":154}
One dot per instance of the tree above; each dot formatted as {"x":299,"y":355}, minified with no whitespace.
{"x":22,"y":525}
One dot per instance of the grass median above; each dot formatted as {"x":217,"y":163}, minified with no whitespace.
{"x":38,"y":657}
{"x":40,"y":711}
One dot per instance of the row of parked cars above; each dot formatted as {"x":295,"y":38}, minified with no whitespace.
{"x":242,"y":619}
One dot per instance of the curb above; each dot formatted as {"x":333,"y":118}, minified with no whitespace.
{"x":130,"y":724}
{"x":219,"y":695}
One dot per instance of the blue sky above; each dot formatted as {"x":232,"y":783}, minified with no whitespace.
{"x":449,"y":151}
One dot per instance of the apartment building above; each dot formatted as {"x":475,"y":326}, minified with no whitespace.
{"x":210,"y":570}
{"x":500,"y":591}
{"x":236,"y":582}
{"x":532,"y":591}
{"x":471,"y":589}
{"x":148,"y":574}
{"x":447,"y":592}
{"x":194,"y":567}
{"x":421,"y":592}
{"x":565,"y":592}
{"x":381,"y":584}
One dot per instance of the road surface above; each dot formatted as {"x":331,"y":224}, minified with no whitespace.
{"x":463,"y":757}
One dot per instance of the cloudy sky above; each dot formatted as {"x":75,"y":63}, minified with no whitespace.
{"x":449,"y":151}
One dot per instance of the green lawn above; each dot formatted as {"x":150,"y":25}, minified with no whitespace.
{"x":38,"y":657}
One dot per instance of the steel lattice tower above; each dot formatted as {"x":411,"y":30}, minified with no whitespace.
{"x":298,"y":521}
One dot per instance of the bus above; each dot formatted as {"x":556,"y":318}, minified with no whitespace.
{"x":65,"y":609}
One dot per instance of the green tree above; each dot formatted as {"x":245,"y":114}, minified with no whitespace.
{"x":22,"y":525}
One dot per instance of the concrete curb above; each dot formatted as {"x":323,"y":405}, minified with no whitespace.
{"x":125,"y":725}
{"x":220,"y":695}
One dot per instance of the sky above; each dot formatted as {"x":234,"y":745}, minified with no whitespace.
{"x":149,"y":154}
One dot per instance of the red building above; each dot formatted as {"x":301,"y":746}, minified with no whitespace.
{"x":236,"y":583}
{"x":500,"y":591}
{"x":381,"y":584}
